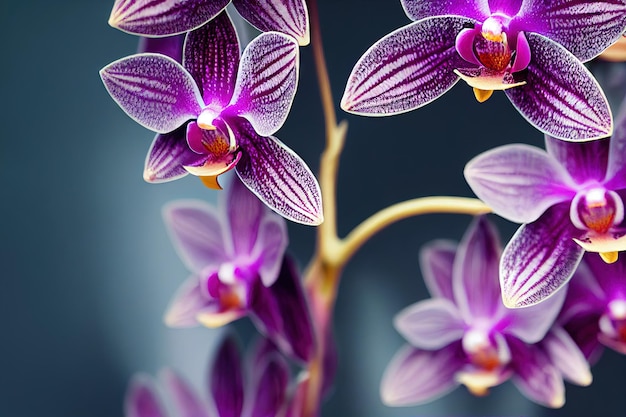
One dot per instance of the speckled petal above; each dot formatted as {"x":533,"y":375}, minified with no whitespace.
{"x":406,"y":69}
{"x":561,"y":98}
{"x":154,"y":90}
{"x":531,"y":324}
{"x":420,"y":9}
{"x":163,"y":17}
{"x":287,"y":16}
{"x":167,"y":156}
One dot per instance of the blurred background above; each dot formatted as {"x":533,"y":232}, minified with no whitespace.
{"x":87,"y":267}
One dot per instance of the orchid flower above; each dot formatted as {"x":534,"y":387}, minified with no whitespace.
{"x":233,"y":111}
{"x":570,"y":199}
{"x":532,"y":49}
{"x":594,"y":313}
{"x":265,"y":395}
{"x":465,"y":335}
{"x":236,"y":257}
{"x":159,"y":18}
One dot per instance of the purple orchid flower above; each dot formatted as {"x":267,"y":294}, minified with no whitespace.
{"x":234,"y":107}
{"x":571,"y":199}
{"x":465,"y":335}
{"x":169,"y":17}
{"x":265,"y":395}
{"x":594,"y":313}
{"x":236,"y":256}
{"x":532,"y":49}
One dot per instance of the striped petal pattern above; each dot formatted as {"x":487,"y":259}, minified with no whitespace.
{"x":286,"y":16}
{"x":154,"y":90}
{"x":406,"y":69}
{"x":561,"y":98}
{"x":267,"y":81}
{"x":163,"y":17}
{"x":167,"y":157}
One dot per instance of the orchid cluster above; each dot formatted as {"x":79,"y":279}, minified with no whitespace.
{"x":537,"y":311}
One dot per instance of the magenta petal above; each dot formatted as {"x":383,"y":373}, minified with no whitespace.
{"x":417,"y":376}
{"x":270,"y":388}
{"x":272,"y":241}
{"x":141,"y":399}
{"x":245,"y":212}
{"x":539,"y":259}
{"x":280,"y":178}
{"x":584,"y":161}
{"x":171,"y":46}
{"x":523,"y":55}
{"x":507,"y":7}
{"x":420,"y":9}
{"x":610,"y":277}
{"x":212,"y":58}
{"x":531,"y":324}
{"x":163,"y":17}
{"x":430,"y":324}
{"x":519,"y":182}
{"x":226,"y":380}
{"x":475,"y":272}
{"x":535,"y":376}
{"x":286,"y":16}
{"x":465,"y":45}
{"x":561,"y":98}
{"x":406,"y":69}
{"x":616,"y":171}
{"x":436,"y":260}
{"x":583,"y":27}
{"x":567,"y":357}
{"x":167,"y":157}
{"x":154,"y":90}
{"x":187,"y":402}
{"x":196,"y":230}
{"x":267,"y":81}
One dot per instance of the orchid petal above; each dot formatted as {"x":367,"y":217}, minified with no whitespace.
{"x":271,"y":243}
{"x":585,"y":28}
{"x":406,"y":69}
{"x":196,"y":230}
{"x":245,"y":213}
{"x":141,"y":399}
{"x":616,"y":170}
{"x":531,"y":324}
{"x":603,"y":243}
{"x":186,"y":304}
{"x":267,"y":81}
{"x":561,"y":98}
{"x":211,"y":167}
{"x":265,"y":313}
{"x":539,"y":259}
{"x":523,"y":55}
{"x":436,"y":260}
{"x":519,"y":182}
{"x":567,"y":357}
{"x":609,"y":277}
{"x":163,"y":17}
{"x":584,"y":161}
{"x":187,"y":402}
{"x":506,"y":7}
{"x":535,"y":376}
{"x":167,"y":156}
{"x":271,"y":387}
{"x":226,"y":380}
{"x":486,"y":79}
{"x":420,"y":9}
{"x":287,"y":16}
{"x":464,"y":45}
{"x":218,"y":318}
{"x":475,"y":272}
{"x":280,"y":178}
{"x":171,"y":46}
{"x":417,"y":376}
{"x":212,"y":58}
{"x":430,"y":324}
{"x":154,"y":90}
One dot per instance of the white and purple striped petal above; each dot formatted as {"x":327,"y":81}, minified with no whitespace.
{"x":212,"y":57}
{"x":584,"y":161}
{"x":539,"y":259}
{"x":167,"y":157}
{"x":406,"y":69}
{"x":154,"y":90}
{"x":226,"y":380}
{"x":416,"y":376}
{"x":421,"y":9}
{"x":142,"y":400}
{"x":287,"y":16}
{"x":436,"y":260}
{"x":583,"y":27}
{"x":279,"y":177}
{"x":519,"y":182}
{"x":163,"y":17}
{"x":561,"y":98}
{"x":266,"y":83}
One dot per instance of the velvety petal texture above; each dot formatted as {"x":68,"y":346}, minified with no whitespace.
{"x":519,"y":182}
{"x":561,"y":98}
{"x":154,"y":90}
{"x":167,"y":157}
{"x":287,"y":16}
{"x":420,"y":9}
{"x":584,"y":161}
{"x":406,"y":69}
{"x":163,"y":17}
